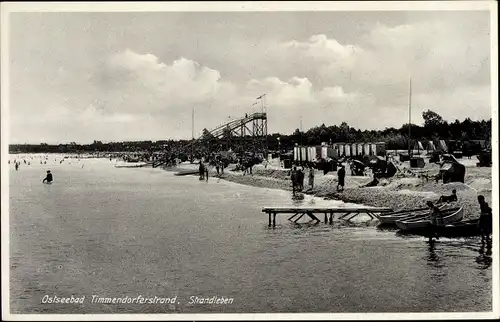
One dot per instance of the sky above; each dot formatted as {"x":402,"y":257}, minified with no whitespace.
{"x":125,"y":76}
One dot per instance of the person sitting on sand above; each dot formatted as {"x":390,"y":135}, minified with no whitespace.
{"x":436,"y":220}
{"x":341,"y":177}
{"x":485,"y":219}
{"x":372,"y":183}
{"x":450,"y":198}
{"x":48,"y":178}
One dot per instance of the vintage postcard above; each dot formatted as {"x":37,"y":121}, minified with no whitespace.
{"x":249,"y":160}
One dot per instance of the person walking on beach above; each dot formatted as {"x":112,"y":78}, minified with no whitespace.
{"x":311,"y":177}
{"x":341,"y":177}
{"x":206,"y":172}
{"x":300,"y":180}
{"x":217,"y":166}
{"x":293,"y":178}
{"x":485,"y":220}
{"x":436,"y":220}
{"x":16,"y":165}
{"x":48,"y":178}
{"x":201,"y":171}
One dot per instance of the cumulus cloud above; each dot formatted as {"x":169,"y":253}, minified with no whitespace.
{"x":135,"y":91}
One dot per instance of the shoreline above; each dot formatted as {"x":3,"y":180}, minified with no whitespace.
{"x":397,"y":193}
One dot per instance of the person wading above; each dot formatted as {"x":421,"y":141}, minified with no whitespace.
{"x":49,"y":178}
{"x":436,"y":220}
{"x":485,"y":220}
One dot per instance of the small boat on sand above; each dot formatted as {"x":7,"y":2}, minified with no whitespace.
{"x":450,"y":216}
{"x":187,"y":172}
{"x":131,"y":165}
{"x":406,"y":214}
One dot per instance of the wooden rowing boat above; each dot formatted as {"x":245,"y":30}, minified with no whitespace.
{"x":466,"y":228}
{"x":406,"y":214}
{"x":391,"y":218}
{"x":449,"y":216}
{"x":131,"y":165}
{"x":187,"y":172}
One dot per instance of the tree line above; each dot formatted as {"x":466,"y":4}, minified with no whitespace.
{"x":434,"y":128}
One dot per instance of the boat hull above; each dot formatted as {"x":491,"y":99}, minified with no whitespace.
{"x":461,"y":229}
{"x":418,"y":224}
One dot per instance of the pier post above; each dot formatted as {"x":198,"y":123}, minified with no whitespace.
{"x":269,"y":219}
{"x":326,"y":218}
{"x":274,"y":219}
{"x":331,"y":218}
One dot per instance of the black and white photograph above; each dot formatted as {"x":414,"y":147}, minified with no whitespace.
{"x":249,"y":160}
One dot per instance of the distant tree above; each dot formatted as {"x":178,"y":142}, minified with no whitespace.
{"x":432,"y":119}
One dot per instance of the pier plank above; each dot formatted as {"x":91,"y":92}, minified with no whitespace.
{"x":347,"y":213}
{"x":323,"y":210}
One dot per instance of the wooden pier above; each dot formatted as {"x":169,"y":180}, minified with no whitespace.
{"x":298,"y":213}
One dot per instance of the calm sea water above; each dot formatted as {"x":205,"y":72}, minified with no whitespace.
{"x":115,"y":232}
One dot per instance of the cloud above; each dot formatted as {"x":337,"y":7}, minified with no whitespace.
{"x":135,"y":79}
{"x":121,"y":88}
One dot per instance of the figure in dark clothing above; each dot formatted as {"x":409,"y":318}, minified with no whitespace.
{"x":436,"y":220}
{"x":16,"y":165}
{"x":341,"y":177}
{"x":293,"y":177}
{"x":201,"y":170}
{"x":300,"y":180}
{"x":485,"y":219}
{"x":48,"y":178}
{"x":450,"y":198}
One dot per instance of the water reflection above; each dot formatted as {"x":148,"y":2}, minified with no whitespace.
{"x":484,"y":259}
{"x":297,"y":199}
{"x":432,"y":255}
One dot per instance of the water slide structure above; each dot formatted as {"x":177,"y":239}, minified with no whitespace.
{"x":250,"y":129}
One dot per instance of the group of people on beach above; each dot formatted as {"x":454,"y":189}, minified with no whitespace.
{"x":297,"y":178}
{"x":485,"y":223}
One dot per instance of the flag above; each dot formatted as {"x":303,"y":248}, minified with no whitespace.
{"x":261,"y":96}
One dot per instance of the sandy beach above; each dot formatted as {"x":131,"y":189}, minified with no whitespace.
{"x":399,"y":192}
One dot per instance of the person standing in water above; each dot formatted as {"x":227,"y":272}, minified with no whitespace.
{"x":48,"y":178}
{"x":485,"y":220}
{"x":436,"y":220}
